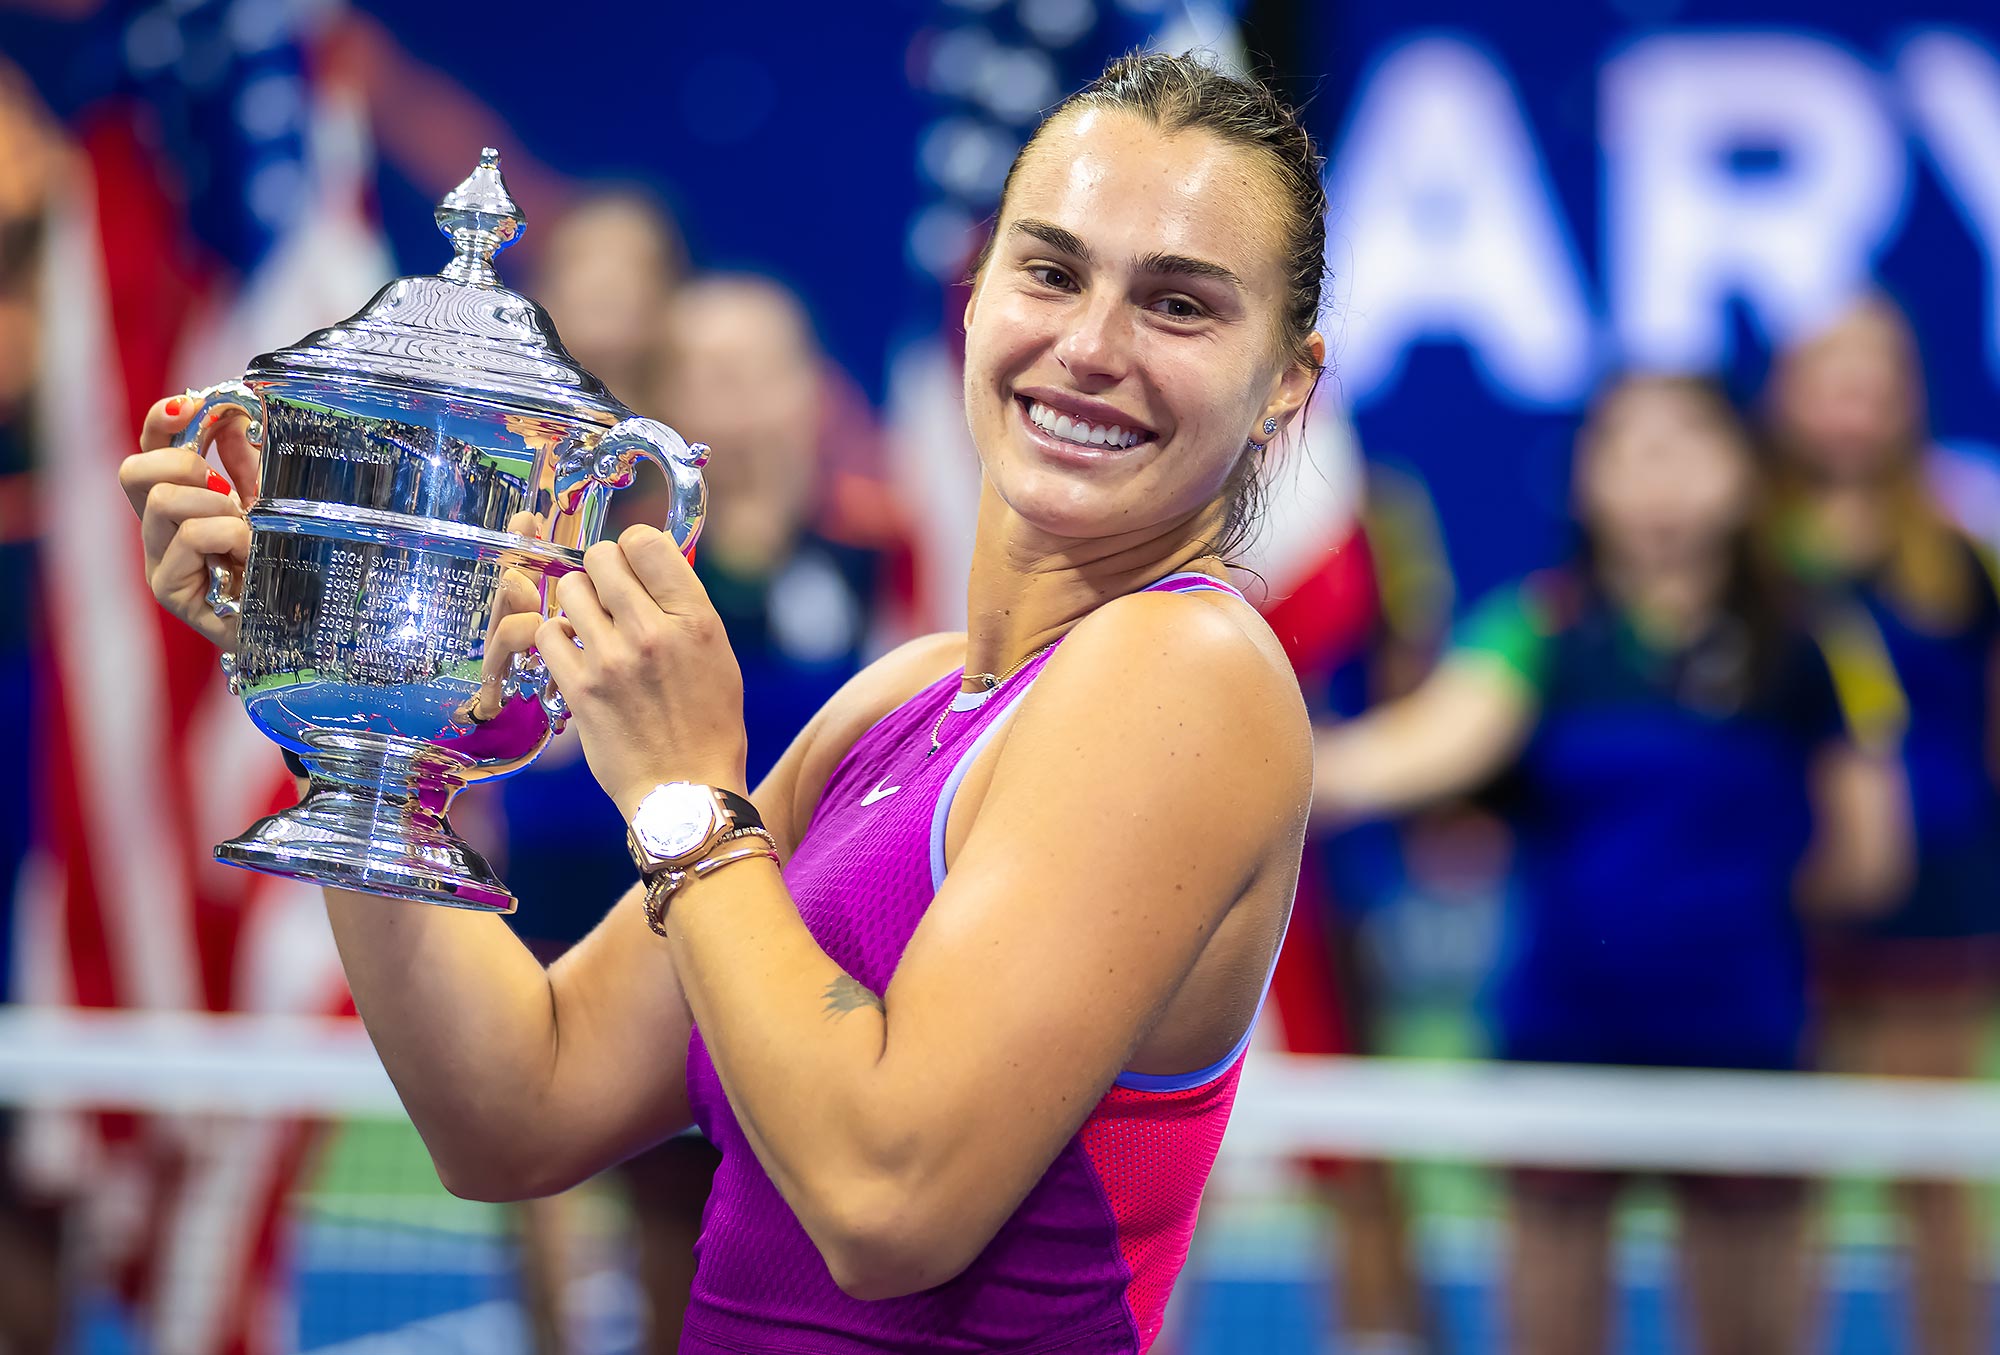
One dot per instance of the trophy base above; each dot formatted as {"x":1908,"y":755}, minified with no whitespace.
{"x":376,"y":837}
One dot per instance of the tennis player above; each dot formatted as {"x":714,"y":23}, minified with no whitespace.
{"x":962,"y":988}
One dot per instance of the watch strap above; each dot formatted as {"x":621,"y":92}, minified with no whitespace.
{"x":742,"y":814}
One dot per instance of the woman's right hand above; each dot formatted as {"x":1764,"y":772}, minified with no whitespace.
{"x":188,"y":514}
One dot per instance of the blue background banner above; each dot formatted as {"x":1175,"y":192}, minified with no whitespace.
{"x":1525,"y":198}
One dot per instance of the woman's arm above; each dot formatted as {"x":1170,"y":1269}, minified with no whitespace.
{"x":1862,"y":856}
{"x":1449,"y":736}
{"x":524,"y":1081}
{"x":1159,"y":773}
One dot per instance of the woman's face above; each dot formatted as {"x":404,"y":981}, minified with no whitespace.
{"x":1663,"y":481}
{"x":1123,"y":342}
{"x":1846,"y":400}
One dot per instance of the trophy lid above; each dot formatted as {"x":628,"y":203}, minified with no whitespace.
{"x":458,"y":331}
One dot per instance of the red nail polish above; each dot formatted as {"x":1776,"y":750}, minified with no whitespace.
{"x":217,"y":483}
{"x":174,"y":407}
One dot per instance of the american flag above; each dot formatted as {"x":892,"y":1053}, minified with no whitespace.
{"x":217,"y":210}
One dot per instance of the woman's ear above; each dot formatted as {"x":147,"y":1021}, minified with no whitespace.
{"x":1295,"y":384}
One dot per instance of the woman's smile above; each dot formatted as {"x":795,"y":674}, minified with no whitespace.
{"x":1077,"y":433}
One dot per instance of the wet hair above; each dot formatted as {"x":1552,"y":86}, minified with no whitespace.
{"x":1190,"y":93}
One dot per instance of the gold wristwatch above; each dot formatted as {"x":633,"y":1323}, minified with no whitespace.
{"x":676,"y":830}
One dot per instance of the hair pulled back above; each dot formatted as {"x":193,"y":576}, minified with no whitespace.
{"x":1190,"y":93}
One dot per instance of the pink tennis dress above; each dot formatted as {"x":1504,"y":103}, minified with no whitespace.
{"x":1085,"y":1264}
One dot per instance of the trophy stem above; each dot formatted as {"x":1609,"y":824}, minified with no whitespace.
{"x":373,"y":821}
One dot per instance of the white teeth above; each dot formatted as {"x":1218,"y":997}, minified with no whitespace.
{"x":1078,"y":431}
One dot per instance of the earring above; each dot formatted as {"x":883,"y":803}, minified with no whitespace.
{"x":1270,"y":427}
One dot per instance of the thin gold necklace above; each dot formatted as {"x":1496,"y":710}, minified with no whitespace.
{"x":992,"y":685}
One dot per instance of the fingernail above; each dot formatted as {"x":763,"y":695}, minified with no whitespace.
{"x":175,"y":406}
{"x":217,"y":483}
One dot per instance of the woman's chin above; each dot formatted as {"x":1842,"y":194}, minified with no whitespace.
{"x":1056,"y":505}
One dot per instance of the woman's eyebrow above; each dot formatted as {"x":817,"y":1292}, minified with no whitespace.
{"x":1068,"y":242}
{"x":1054,"y":236}
{"x":1183,"y":266}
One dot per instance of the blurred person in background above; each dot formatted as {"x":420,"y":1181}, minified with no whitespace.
{"x":786,"y":556}
{"x":30,"y":1276}
{"x":1683,"y":779}
{"x":1910,"y":992}
{"x":791,"y":552}
{"x":739,"y":368}
{"x":606,"y":273}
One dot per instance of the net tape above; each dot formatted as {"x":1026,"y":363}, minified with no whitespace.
{"x":1288,"y":1106}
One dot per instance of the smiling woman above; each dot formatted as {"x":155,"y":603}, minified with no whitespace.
{"x":968,"y":1054}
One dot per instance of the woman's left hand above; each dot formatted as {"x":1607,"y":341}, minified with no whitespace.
{"x":650,"y":678}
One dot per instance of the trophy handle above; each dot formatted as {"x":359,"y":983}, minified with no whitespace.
{"x":611,"y":462}
{"x":529,"y":676}
{"x":223,"y":598}
{"x":614,"y":458}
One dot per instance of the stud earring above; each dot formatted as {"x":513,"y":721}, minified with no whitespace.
{"x":1270,"y":427}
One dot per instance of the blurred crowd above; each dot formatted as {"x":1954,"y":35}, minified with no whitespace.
{"x":1742,"y":742}
{"x":1733,"y":764}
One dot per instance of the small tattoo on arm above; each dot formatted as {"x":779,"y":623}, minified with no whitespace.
{"x":846,"y":994}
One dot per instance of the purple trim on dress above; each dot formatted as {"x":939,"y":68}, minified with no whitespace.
{"x":1201,"y":1077}
{"x":949,"y":791}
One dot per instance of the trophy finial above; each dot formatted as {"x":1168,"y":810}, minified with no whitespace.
{"x":480,"y":219}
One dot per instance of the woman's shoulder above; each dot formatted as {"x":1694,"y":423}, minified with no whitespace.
{"x":1169,"y":699}
{"x":1206,"y":626}
{"x":1208,"y":650}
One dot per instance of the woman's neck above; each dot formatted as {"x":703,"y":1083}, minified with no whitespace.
{"x":1027,"y":589}
{"x":1672,"y":603}
{"x":1849,"y":523}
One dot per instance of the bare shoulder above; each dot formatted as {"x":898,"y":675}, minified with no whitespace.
{"x":1179,"y":687}
{"x":1207,"y":626}
{"x":1202,"y":647}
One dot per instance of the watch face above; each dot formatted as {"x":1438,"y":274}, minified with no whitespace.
{"x":674,"y":819}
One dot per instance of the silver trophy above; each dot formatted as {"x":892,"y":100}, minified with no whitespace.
{"x":430,"y":467}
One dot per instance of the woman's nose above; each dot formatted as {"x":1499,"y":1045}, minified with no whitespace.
{"x":1098,"y":346}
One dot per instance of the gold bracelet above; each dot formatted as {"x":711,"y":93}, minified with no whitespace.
{"x":712,"y":863}
{"x":661,"y":888}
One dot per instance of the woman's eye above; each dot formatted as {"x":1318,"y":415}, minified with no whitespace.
{"x":1179,"y":308}
{"x":1051,"y":276}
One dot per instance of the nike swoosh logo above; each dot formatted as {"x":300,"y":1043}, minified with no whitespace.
{"x":881,"y":792}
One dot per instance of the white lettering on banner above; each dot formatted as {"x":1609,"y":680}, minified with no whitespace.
{"x":1952,"y":86}
{"x":1692,"y":227}
{"x":1754,"y":168}
{"x":1441,"y":201}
